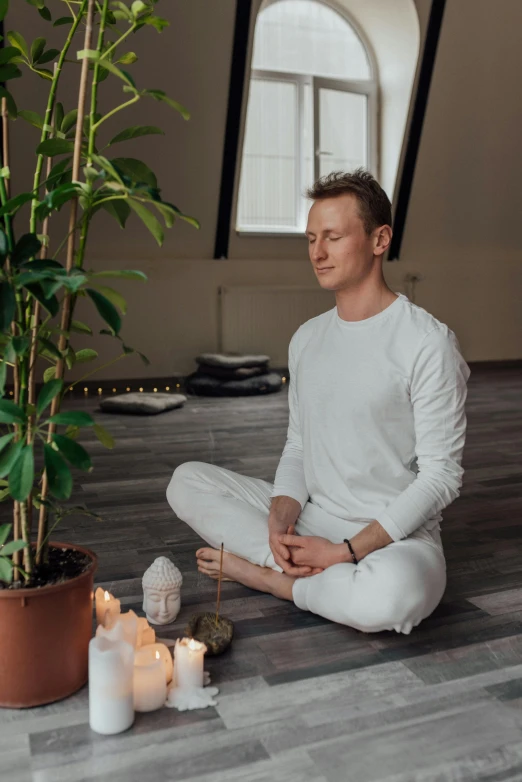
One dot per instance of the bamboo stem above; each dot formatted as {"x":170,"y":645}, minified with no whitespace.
{"x":219,"y":584}
{"x":35,"y":324}
{"x":66,"y":306}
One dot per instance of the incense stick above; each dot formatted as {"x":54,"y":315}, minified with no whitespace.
{"x":219,"y":583}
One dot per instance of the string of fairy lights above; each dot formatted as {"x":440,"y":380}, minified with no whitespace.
{"x":128,"y":389}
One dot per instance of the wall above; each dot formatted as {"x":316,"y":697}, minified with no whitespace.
{"x":455,"y":229}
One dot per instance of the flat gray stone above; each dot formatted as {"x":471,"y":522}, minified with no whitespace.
{"x":142,"y":403}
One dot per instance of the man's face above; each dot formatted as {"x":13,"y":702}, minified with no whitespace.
{"x":340,"y":250}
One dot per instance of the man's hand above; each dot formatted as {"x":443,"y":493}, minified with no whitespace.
{"x":283,"y":514}
{"x":310,"y":551}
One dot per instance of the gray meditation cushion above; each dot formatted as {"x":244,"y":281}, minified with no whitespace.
{"x":230,"y":373}
{"x":232,"y":360}
{"x":143,"y":403}
{"x":204,"y":385}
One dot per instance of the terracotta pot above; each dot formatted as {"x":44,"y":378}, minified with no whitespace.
{"x":44,"y":639}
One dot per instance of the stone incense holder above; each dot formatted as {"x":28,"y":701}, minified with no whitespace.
{"x":208,"y":627}
{"x":216,"y":637}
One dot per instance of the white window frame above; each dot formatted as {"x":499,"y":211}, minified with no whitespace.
{"x":366,"y":87}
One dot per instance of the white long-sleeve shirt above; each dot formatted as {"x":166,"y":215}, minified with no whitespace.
{"x":377,"y":423}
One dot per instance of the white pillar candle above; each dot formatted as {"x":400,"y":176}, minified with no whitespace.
{"x":111,"y":669}
{"x":150,"y":680}
{"x":188,"y":663}
{"x":165,"y":655}
{"x":107,"y":607}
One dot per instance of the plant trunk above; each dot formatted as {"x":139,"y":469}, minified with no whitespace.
{"x":66,"y":307}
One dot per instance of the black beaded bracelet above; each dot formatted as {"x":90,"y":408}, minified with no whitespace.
{"x":351,"y":550}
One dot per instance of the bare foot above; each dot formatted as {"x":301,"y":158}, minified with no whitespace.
{"x":238,"y":569}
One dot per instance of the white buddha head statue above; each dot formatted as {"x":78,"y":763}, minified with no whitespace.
{"x":161,"y":591}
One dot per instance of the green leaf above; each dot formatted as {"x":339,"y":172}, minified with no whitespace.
{"x":10,"y":548}
{"x":5,"y":529}
{"x":63,"y":20}
{"x":58,"y":114}
{"x":47,"y":394}
{"x":74,"y":417}
{"x":56,"y":198}
{"x":58,"y":474}
{"x":4,"y":247}
{"x":55,"y":146}
{"x":9,"y":71}
{"x":4,"y":7}
{"x":124,"y":10}
{"x":138,"y":6}
{"x":49,"y":55}
{"x":14,"y":204}
{"x":85,"y":354}
{"x":9,"y":457}
{"x":32,"y":117}
{"x":21,"y":476}
{"x":104,"y":436}
{"x":106,"y":309}
{"x":45,"y":73}
{"x":80,"y":328}
{"x":10,"y":102}
{"x":128,"y":274}
{"x":51,"y":304}
{"x":43,"y":264}
{"x":45,"y":13}
{"x":157,"y":22}
{"x":49,"y":374}
{"x":149,"y":220}
{"x":69,"y":120}
{"x":134,"y":132}
{"x":3,"y":377}
{"x":6,"y":570}
{"x":114,"y":297}
{"x":50,"y":347}
{"x":128,"y":58}
{"x":37,"y":48}
{"x":136,"y":170}
{"x":164,"y":98}
{"x":17,"y":40}
{"x":119,"y":209}
{"x":58,"y":174}
{"x":7,"y":305}
{"x":21,"y":345}
{"x":73,"y":452}
{"x":93,"y":56}
{"x":7,"y":53}
{"x":26,"y":247}
{"x":11,"y":413}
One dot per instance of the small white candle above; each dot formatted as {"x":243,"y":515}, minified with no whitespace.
{"x":150,"y":680}
{"x":111,"y":669}
{"x":188,"y":663}
{"x":165,"y":655}
{"x":107,"y":607}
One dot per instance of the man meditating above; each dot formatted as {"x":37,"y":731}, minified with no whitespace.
{"x":350,"y":528}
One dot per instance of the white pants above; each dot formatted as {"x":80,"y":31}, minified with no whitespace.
{"x":392,"y":588}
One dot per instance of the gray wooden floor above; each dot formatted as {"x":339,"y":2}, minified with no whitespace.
{"x":301,"y":698}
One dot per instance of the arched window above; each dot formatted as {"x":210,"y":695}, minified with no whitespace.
{"x":311,"y":110}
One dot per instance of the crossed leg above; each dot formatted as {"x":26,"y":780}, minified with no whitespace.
{"x":393,"y":588}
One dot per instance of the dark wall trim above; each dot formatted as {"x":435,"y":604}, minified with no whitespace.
{"x":235,"y":100}
{"x":417,"y":121}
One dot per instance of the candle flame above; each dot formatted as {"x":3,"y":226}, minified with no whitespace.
{"x":193,"y":645}
{"x":157,"y":655}
{"x":106,"y":596}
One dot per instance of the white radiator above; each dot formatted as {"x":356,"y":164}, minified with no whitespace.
{"x":262,"y":319}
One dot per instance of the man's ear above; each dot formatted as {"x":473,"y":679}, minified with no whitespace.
{"x":383,"y":237}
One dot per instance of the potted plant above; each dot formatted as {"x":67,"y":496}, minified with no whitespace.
{"x":46,"y":586}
